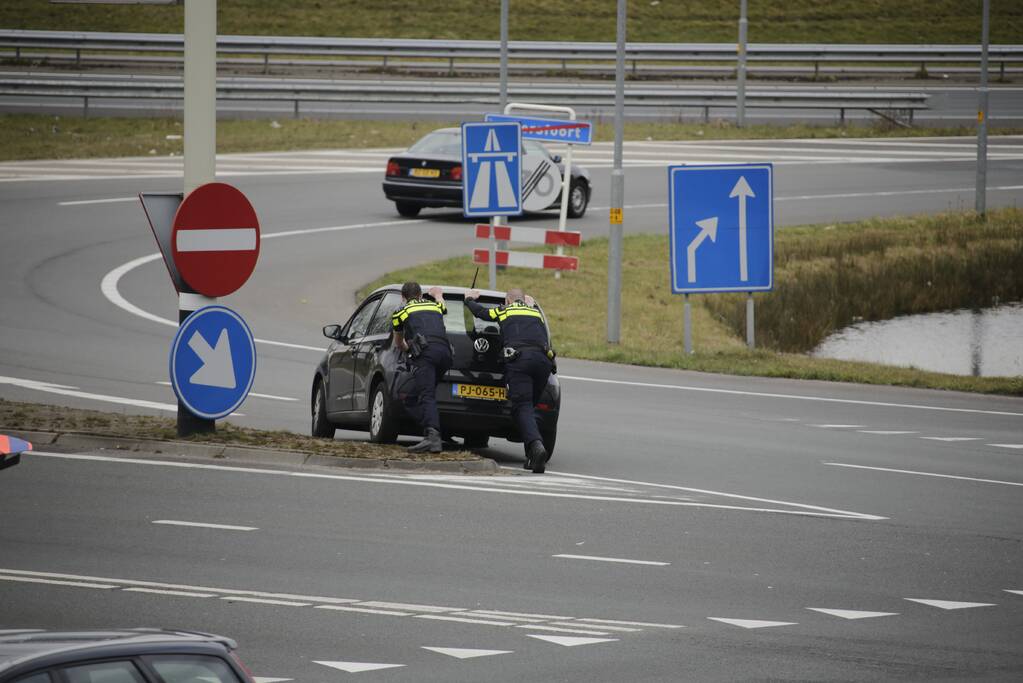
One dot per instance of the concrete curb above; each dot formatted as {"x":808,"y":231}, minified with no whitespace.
{"x":249,"y":454}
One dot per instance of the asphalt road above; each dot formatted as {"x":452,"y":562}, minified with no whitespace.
{"x":747,"y":500}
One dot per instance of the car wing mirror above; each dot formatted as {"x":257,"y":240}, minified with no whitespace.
{"x":334,"y":332}
{"x":556,"y":158}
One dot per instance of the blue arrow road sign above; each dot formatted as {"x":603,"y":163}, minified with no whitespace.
{"x":722,"y":227}
{"x":213,"y":362}
{"x":551,"y":130}
{"x":491,"y":163}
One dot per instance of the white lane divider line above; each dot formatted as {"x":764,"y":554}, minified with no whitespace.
{"x":264,"y":601}
{"x":852,"y":613}
{"x":950,"y":604}
{"x":569,"y":641}
{"x":75,"y":393}
{"x":357,"y":667}
{"x":951,"y":438}
{"x":517,"y":615}
{"x":463,"y":620}
{"x":837,"y":426}
{"x":164,"y":591}
{"x":205,"y":525}
{"x":82,"y":202}
{"x":630,"y":623}
{"x":886,"y":432}
{"x":1016,"y":446}
{"x":411,"y":607}
{"x":165,"y":383}
{"x":604,"y":627}
{"x":364,"y":610}
{"x":752,"y":623}
{"x":465,"y":653}
{"x":924,"y":474}
{"x":1013,"y":591}
{"x":612,"y":559}
{"x":561,"y":629}
{"x":57,"y":582}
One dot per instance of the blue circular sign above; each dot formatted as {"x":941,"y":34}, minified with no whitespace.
{"x":213,"y":362}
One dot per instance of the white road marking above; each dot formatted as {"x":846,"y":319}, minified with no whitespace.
{"x":561,"y":629}
{"x":161,"y":591}
{"x":98,"y":201}
{"x":264,"y":601}
{"x":837,"y":426}
{"x":885,"y":432}
{"x":264,"y":679}
{"x":851,"y":613}
{"x":568,"y":641}
{"x":631,"y":623}
{"x":75,"y":393}
{"x":752,"y":623}
{"x":222,"y":239}
{"x":56,"y":582}
{"x":951,"y":438}
{"x":205,"y":525}
{"x":796,"y":397}
{"x":464,"y":620}
{"x":1012,"y":591}
{"x":357,"y":667}
{"x":466,"y":653}
{"x":364,"y":610}
{"x":924,"y":474}
{"x":603,"y":627}
{"x":1016,"y":446}
{"x":165,"y":383}
{"x":509,"y":615}
{"x":612,"y":559}
{"x":412,"y":607}
{"x":949,"y":604}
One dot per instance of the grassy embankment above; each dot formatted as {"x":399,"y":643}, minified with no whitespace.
{"x":826,"y":277}
{"x":42,"y":136}
{"x":797,"y":21}
{"x":16,"y":416}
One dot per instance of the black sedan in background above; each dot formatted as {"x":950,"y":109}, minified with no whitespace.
{"x":362,"y":379}
{"x":429,"y":174}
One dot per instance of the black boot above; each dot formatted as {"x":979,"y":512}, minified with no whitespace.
{"x":536,"y":457}
{"x":432,"y":443}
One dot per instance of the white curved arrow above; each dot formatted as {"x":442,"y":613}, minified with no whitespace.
{"x":708,"y":228}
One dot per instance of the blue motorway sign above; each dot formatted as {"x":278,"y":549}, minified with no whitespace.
{"x":551,"y":130}
{"x":492,"y":163}
{"x":722,"y":227}
{"x":213,"y":362}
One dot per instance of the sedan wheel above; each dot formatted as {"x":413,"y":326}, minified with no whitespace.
{"x":382,"y":425}
{"x":407,"y":210}
{"x":578,"y":200}
{"x":321,"y":427}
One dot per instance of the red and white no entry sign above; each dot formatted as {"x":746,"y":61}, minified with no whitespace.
{"x":215,"y":239}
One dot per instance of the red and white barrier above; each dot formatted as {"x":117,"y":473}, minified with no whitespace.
{"x":566,"y":238}
{"x":523,"y":259}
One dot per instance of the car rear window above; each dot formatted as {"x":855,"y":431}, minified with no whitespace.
{"x":192,"y":669}
{"x":439,"y":142}
{"x":104,"y":672}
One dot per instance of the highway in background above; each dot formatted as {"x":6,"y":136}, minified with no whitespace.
{"x":691,"y":526}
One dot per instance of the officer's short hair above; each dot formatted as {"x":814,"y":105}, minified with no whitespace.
{"x":411,"y":290}
{"x":514,"y":294}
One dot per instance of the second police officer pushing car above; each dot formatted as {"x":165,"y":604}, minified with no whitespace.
{"x":419,"y":329}
{"x":528,"y":364}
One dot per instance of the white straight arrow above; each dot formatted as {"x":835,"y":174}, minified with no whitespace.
{"x":742,"y":190}
{"x":708,"y":228}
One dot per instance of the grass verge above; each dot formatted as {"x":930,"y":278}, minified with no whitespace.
{"x":43,"y":136}
{"x":826,"y":277}
{"x":46,"y":418}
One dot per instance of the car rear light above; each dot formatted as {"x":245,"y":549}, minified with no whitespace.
{"x":543,"y":406}
{"x":393,"y":168}
{"x":456,"y":173}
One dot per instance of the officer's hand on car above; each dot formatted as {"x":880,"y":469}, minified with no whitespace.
{"x":472,"y":294}
{"x":437,"y":293}
{"x":530,"y":301}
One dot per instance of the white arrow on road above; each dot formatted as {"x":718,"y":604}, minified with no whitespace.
{"x":708,"y":228}
{"x":357,"y":667}
{"x":742,"y":190}
{"x":466,"y":653}
{"x":217,"y":368}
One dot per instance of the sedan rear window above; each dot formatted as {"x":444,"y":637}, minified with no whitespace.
{"x":440,"y":142}
{"x":192,"y":669}
{"x":105,"y":672}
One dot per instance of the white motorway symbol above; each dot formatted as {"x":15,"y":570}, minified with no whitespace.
{"x":708,"y":228}
{"x":217,"y":369}
{"x":742,"y":190}
{"x":492,"y":154}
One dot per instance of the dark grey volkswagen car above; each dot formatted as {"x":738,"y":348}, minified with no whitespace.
{"x":119,"y":656}
{"x":361,"y":380}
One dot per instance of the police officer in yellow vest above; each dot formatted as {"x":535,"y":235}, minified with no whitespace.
{"x":528,"y":363}
{"x":418,"y":328}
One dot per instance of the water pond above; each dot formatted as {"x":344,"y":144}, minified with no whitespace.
{"x":984,"y":343}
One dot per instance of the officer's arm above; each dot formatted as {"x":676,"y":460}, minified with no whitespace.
{"x":479,"y":310}
{"x":398,"y":332}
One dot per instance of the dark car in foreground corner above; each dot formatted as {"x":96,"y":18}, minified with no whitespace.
{"x":429,"y":174}
{"x":360,"y":381}
{"x":119,"y":656}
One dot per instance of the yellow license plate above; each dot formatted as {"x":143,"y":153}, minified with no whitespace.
{"x":479,"y":391}
{"x":424,"y":172}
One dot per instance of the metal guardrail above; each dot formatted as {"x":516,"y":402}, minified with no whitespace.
{"x":894,"y":106}
{"x":388,"y":49}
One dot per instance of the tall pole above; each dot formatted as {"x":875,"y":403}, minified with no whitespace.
{"x":504,"y":54}
{"x":981,"y":203}
{"x":200,"y":144}
{"x":614,"y":256}
{"x":740,"y":86}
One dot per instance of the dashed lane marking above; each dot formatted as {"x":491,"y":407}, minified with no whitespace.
{"x":264,"y":601}
{"x":752,"y":623}
{"x":852,"y":613}
{"x":837,"y":426}
{"x":204,"y":525}
{"x":620,"y":560}
{"x":949,"y":604}
{"x":57,"y":582}
{"x":1016,"y":446}
{"x":951,"y":438}
{"x":159,"y":591}
{"x":1014,"y":591}
{"x":924,"y":474}
{"x":885,"y":432}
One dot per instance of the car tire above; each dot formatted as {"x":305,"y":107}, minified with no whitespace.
{"x":321,"y":426}
{"x":408,"y":210}
{"x":383,"y":427}
{"x":578,"y":199}
{"x":475,"y":440}
{"x":549,"y":438}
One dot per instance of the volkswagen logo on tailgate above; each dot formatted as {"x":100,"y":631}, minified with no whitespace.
{"x":481,"y":345}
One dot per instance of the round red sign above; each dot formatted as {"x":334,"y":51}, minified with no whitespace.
{"x":215,"y":239}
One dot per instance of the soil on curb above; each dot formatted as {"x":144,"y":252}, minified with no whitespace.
{"x":47,"y":418}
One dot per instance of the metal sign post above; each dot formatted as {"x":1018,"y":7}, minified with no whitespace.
{"x":740,"y":75}
{"x":616,"y":228}
{"x":687,"y":325}
{"x":750,"y":341}
{"x":504,"y":54}
{"x":981,"y":191}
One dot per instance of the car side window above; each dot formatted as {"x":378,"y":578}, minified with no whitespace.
{"x":36,"y":678}
{"x":360,"y":321}
{"x":104,"y":672}
{"x":192,"y":669}
{"x":382,"y":320}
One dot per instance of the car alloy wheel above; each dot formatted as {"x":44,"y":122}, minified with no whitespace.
{"x":321,"y":427}
{"x":577,"y":200}
{"x":383,"y":427}
{"x":376,"y":419}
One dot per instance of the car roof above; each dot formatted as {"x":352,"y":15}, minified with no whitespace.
{"x":25,"y":646}
{"x":447,"y":289}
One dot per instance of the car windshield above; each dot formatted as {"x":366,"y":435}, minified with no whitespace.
{"x":448,"y":142}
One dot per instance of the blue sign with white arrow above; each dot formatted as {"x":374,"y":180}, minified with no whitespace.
{"x":722,"y":227}
{"x":492,"y":163}
{"x":213,"y":362}
{"x":551,"y":130}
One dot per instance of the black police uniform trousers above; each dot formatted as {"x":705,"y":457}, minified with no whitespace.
{"x":430,"y":366}
{"x":526,"y":377}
